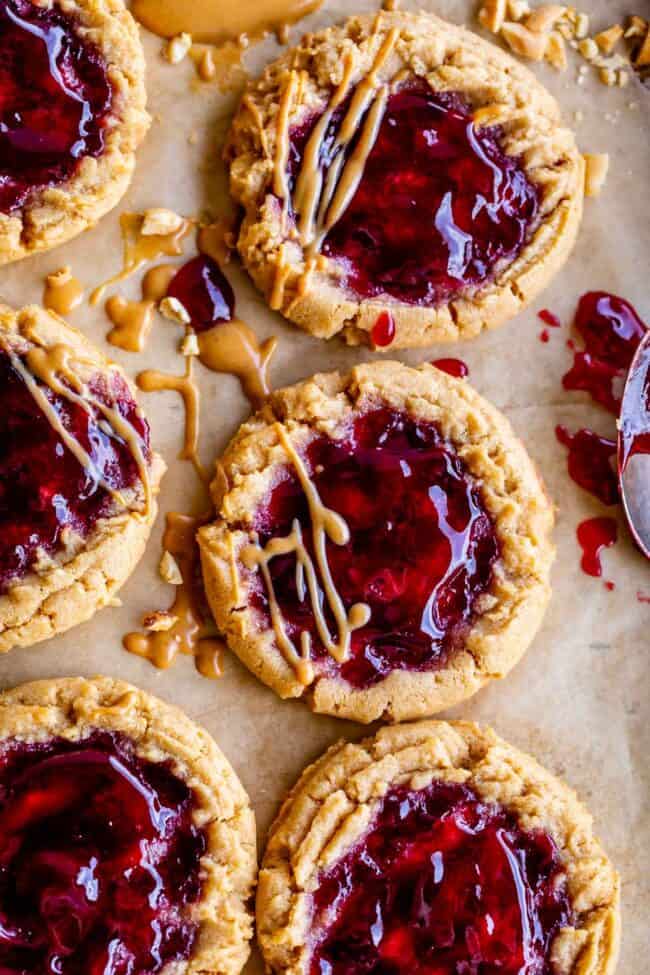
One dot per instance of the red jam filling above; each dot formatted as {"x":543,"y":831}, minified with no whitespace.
{"x":203,"y":290}
{"x":594,"y":535}
{"x":590,"y":463}
{"x":442,"y":884}
{"x":439,"y":206}
{"x":99,"y":860}
{"x":453,"y":367}
{"x":43,"y":488}
{"x":611,"y":331}
{"x":55,"y":99}
{"x":421,"y":551}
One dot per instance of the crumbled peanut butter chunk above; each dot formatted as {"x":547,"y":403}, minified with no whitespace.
{"x":159,"y":622}
{"x":169,"y":570}
{"x":174,"y":311}
{"x":190,"y":344}
{"x":158,"y":222}
{"x":596,"y":168}
{"x":492,"y":15}
{"x":523,"y":41}
{"x":608,"y":39}
{"x":543,"y":19}
{"x":178,"y":48}
{"x":555,"y":52}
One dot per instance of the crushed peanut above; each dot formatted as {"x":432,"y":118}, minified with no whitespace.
{"x":607,"y":76}
{"x":608,"y":39}
{"x":492,"y":15}
{"x":555,"y":52}
{"x":637,"y":27}
{"x":643,"y":54}
{"x":543,"y":18}
{"x":518,"y":9}
{"x":190,"y":344}
{"x":582,"y":26}
{"x":174,"y":311}
{"x":588,"y":48}
{"x":596,"y":168}
{"x":177,"y":49}
{"x":158,"y":222}
{"x":169,"y":570}
{"x":159,"y":622}
{"x":523,"y":41}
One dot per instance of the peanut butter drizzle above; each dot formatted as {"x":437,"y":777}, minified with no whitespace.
{"x":234,"y":348}
{"x":53,"y":367}
{"x":217,"y":239}
{"x":142,"y":248}
{"x":156,"y":281}
{"x":221,"y":65}
{"x":62,"y":291}
{"x":151,"y":381}
{"x":325,"y":523}
{"x":214,"y":21}
{"x":132,"y":321}
{"x":190,"y":631}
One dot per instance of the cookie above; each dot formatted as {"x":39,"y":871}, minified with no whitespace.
{"x":381,"y":544}
{"x":78,"y":477}
{"x":403,"y":182}
{"x":71,"y":118}
{"x":128,"y":842}
{"x":435,"y":847}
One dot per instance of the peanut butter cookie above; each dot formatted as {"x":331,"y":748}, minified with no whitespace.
{"x":435,"y":847}
{"x":78,"y":477}
{"x":403,"y":182}
{"x":128,"y":842}
{"x":72,"y":115}
{"x":381,"y":544}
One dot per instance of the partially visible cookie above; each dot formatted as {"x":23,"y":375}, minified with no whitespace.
{"x":72,"y":115}
{"x":435,"y":847}
{"x":78,"y":477}
{"x":403,"y":182}
{"x":127,"y":840}
{"x":382,"y":543}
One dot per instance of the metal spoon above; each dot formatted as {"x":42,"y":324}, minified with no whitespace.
{"x":634,"y":447}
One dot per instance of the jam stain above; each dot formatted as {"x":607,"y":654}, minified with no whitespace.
{"x":439,"y":204}
{"x":46,"y":497}
{"x":549,"y":318}
{"x":383,"y":331}
{"x":590,"y":463}
{"x":443,"y":883}
{"x":205,"y":293}
{"x":611,"y":331}
{"x":421,"y":549}
{"x":55,"y":100}
{"x":99,"y":859}
{"x":594,"y":535}
{"x":453,"y":367}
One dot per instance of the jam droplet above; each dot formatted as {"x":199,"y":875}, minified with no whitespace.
{"x":611,"y":331}
{"x":203,"y":290}
{"x":421,"y":550}
{"x":55,"y":100}
{"x":549,"y":318}
{"x":454,"y":367}
{"x":590,"y":463}
{"x":594,"y":535}
{"x":442,"y":883}
{"x":439,"y":204}
{"x":383,"y":331}
{"x":44,"y":491}
{"x":99,"y":860}
{"x":545,"y":336}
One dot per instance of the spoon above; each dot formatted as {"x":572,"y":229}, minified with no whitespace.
{"x":634,"y":447}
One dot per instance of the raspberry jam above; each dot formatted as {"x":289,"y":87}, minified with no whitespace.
{"x":421,"y":551}
{"x":453,"y":367}
{"x":439,"y":206}
{"x":43,"y":488}
{"x":591,"y":463}
{"x":203,"y":290}
{"x":99,"y":860}
{"x":442,"y":884}
{"x":55,"y":100}
{"x":594,"y":535}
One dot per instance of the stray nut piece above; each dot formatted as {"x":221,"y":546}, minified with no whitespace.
{"x":543,"y":18}
{"x":596,"y":168}
{"x":555,"y":52}
{"x":523,"y":41}
{"x":169,"y":570}
{"x":160,"y":621}
{"x":159,"y":222}
{"x":190,"y":344}
{"x":174,"y":311}
{"x":588,"y":48}
{"x":58,"y":278}
{"x":608,"y":39}
{"x":636,"y":27}
{"x":642,"y":58}
{"x":518,"y":9}
{"x":178,"y":48}
{"x":492,"y":15}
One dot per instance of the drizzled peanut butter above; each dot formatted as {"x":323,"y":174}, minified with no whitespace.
{"x":62,"y":292}
{"x":185,"y":627}
{"x":213,"y":21}
{"x":153,"y":381}
{"x":310,"y":576}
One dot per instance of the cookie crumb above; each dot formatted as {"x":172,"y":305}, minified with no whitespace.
{"x":190,"y":344}
{"x":596,"y":169}
{"x":492,"y":15}
{"x":543,"y":19}
{"x":174,"y":311}
{"x":608,"y":39}
{"x":169,"y":570}
{"x":160,"y":621}
{"x":177,"y":49}
{"x":158,"y":222}
{"x":523,"y":41}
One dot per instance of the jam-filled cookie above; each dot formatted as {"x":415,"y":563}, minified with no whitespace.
{"x":435,"y":849}
{"x":78,"y":477}
{"x":403,"y":182}
{"x":72,"y":114}
{"x":381,"y":544}
{"x":127,"y":843}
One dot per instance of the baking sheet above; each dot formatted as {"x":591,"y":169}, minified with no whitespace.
{"x":579,"y":701}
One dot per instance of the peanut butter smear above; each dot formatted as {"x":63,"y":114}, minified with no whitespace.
{"x":215,"y":21}
{"x":62,"y":292}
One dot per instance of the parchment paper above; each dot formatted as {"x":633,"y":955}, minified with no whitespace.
{"x":579,"y":700}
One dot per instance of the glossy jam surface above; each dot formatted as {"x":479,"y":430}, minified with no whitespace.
{"x":383,"y":331}
{"x":44,"y":490}
{"x":98,"y":860}
{"x":453,"y":367}
{"x":202,"y":289}
{"x":591,"y":463}
{"x":55,"y":100}
{"x":594,"y":535}
{"x":442,"y":884}
{"x":421,"y":551}
{"x":611,"y":331}
{"x":439,"y":204}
